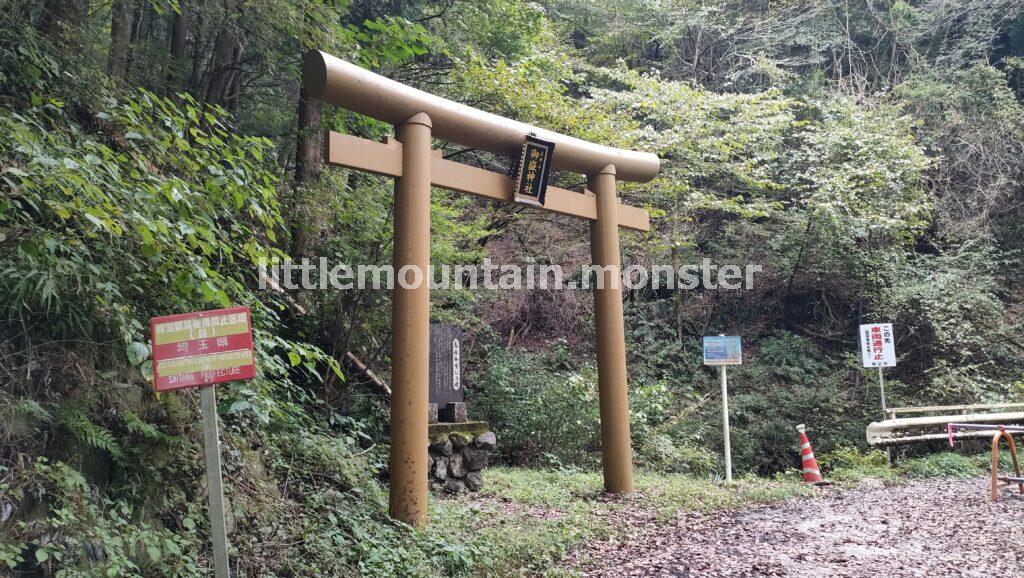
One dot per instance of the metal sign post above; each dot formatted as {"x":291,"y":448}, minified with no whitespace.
{"x":878,"y":349}
{"x":199,"y":350}
{"x":214,"y":482}
{"x":723,"y":351}
{"x":881,"y":388}
{"x":725,"y":425}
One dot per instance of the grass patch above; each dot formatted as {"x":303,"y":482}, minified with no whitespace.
{"x":945,"y":465}
{"x":848,"y":464}
{"x":524,"y":521}
{"x":667,"y":495}
{"x":527,"y":520}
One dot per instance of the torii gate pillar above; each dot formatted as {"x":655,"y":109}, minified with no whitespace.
{"x":616,"y":450}
{"x":410,"y":326}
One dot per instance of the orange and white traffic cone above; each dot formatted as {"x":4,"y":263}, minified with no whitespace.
{"x":812,"y":475}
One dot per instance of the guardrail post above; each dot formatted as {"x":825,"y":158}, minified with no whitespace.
{"x":995,"y":462}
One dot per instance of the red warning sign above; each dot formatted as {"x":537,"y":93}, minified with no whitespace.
{"x":196,"y":349}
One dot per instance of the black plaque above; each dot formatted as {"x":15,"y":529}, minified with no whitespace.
{"x":534,"y":168}
{"x":446,"y":364}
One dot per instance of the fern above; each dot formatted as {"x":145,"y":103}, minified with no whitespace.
{"x":31,"y":408}
{"x":136,"y":425}
{"x":79,"y":424}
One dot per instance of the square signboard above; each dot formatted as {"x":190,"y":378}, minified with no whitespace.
{"x":197,"y":349}
{"x":877,"y":345}
{"x":723,"y":350}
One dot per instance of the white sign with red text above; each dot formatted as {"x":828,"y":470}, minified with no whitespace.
{"x":878,"y":345}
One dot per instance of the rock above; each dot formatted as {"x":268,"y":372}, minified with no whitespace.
{"x":474,"y":480}
{"x":436,"y":486}
{"x":430,"y":463}
{"x":454,"y":485}
{"x":486,"y":440}
{"x":475,"y":458}
{"x":455,"y":467}
{"x":442,"y":446}
{"x":460,"y":439}
{"x":440,"y":469}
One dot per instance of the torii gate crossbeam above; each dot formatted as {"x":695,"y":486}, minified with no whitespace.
{"x":410,"y":160}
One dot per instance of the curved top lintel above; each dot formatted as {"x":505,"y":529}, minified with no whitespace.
{"x":344,"y":84}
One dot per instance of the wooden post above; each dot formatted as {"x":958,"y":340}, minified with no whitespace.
{"x":410,"y":326}
{"x":616,"y":449}
{"x":214,"y":484}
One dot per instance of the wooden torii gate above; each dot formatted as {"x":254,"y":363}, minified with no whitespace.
{"x":418,"y":117}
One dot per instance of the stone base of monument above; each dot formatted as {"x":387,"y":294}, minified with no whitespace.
{"x":454,"y":412}
{"x":458,"y":454}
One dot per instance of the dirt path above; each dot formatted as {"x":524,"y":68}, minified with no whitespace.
{"x":932,"y":528}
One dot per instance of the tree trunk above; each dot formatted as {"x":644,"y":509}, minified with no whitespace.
{"x":195,"y":79}
{"x":232,"y":98}
{"x":309,"y":140}
{"x":62,"y":20}
{"x":143,"y":15}
{"x":678,"y":293}
{"x":121,"y":17}
{"x":178,"y":35}
{"x":224,"y":51}
{"x":308,"y":164}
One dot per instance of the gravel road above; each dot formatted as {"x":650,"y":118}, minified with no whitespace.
{"x":928,"y":528}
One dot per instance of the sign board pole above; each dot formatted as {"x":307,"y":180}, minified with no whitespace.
{"x":200,"y":349}
{"x":881,"y":387}
{"x":722,"y":351}
{"x":885,"y":411}
{"x":725,"y":426}
{"x":215,"y":486}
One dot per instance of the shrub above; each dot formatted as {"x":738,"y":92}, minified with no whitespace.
{"x":82,"y":532}
{"x":850,"y":464}
{"x":943,"y":465}
{"x":538,"y":404}
{"x":662,"y":453}
{"x":786,"y":381}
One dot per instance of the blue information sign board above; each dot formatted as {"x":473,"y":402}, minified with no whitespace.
{"x":723,"y":350}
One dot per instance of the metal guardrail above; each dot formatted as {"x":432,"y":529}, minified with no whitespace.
{"x":892,"y":412}
{"x":895,"y":430}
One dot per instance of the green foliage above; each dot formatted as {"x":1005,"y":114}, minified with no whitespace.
{"x":953,"y":314}
{"x":662,"y":453}
{"x":783,"y":384}
{"x":80,"y":426}
{"x":942,"y":465}
{"x":542,"y":407}
{"x":84,"y":534}
{"x":335,"y":522}
{"x":849,"y":464}
{"x":861,"y":171}
{"x":871,"y":164}
{"x":172,"y":200}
